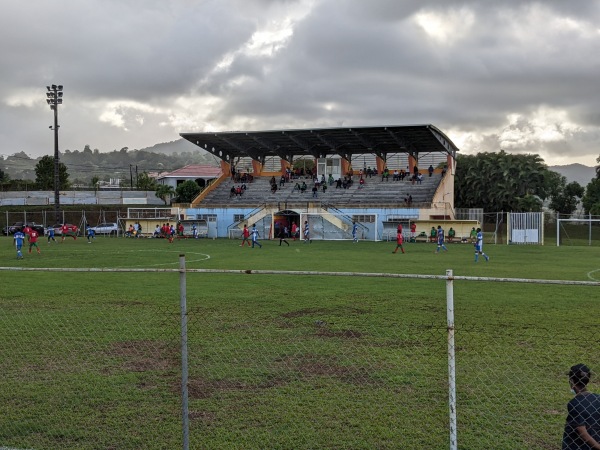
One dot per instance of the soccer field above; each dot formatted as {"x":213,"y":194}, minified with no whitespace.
{"x":91,"y":359}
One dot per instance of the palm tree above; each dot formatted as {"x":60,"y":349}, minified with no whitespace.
{"x":165,"y":193}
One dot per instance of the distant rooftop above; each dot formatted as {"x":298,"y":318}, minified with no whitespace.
{"x":194,"y":171}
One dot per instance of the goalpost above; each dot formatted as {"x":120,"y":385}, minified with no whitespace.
{"x":336,"y":226}
{"x":575,"y":230}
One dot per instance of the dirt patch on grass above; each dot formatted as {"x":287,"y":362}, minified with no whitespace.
{"x":347,"y":334}
{"x":145,"y":355}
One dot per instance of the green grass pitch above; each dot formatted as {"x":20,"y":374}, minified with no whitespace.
{"x":90,"y":360}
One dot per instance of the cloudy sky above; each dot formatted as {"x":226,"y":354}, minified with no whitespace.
{"x":514,"y":74}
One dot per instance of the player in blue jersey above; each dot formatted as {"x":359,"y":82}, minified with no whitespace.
{"x":91,"y":234}
{"x":50,"y":232}
{"x":19,"y":238}
{"x":254,"y":234}
{"x":354,"y":231}
{"x":307,"y":238}
{"x":440,"y":239}
{"x":479,"y":246}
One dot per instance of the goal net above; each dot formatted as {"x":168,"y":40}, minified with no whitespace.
{"x":578,"y":231}
{"x":335,"y":226}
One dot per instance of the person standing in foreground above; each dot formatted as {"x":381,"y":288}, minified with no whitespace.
{"x":283,"y":235}
{"x":33,"y":237}
{"x":255,"y":237}
{"x":19,"y":238}
{"x":354,"y":231}
{"x":479,"y":246}
{"x":582,"y":428}
{"x":440,"y":239}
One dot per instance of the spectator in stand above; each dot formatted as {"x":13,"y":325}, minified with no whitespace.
{"x":282,"y":181}
{"x":238,"y":191}
{"x":232,"y":191}
{"x":444,"y":170}
{"x":338,"y":183}
{"x":324,"y":187}
{"x":273,"y":188}
{"x":415,"y":170}
{"x":369,"y":172}
{"x":432,"y":235}
{"x":396,"y":175}
{"x":419,"y":178}
{"x":272,"y":181}
{"x":451,"y":234}
{"x":402,"y":174}
{"x":314,"y":190}
{"x":232,"y":173}
{"x":473,"y":235}
{"x":361,"y":183}
{"x":330,"y":180}
{"x":303,"y":187}
{"x":243,"y":187}
{"x":385,"y":174}
{"x":430,"y":170}
{"x":322,"y":179}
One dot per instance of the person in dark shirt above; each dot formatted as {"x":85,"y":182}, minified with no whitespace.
{"x":582,"y":428}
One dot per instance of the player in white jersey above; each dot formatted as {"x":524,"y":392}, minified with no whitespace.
{"x":479,"y":246}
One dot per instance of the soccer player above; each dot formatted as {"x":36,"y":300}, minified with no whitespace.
{"x":399,"y":239}
{"x":283,"y":235}
{"x":479,"y":246}
{"x":440,"y":239}
{"x":91,"y":234}
{"x":65,"y":232}
{"x":51,"y":234}
{"x":33,"y":237}
{"x":19,"y":238}
{"x":194,"y":231}
{"x":413,"y":231}
{"x":255,"y":237}
{"x":246,"y":236}
{"x":354,"y":231}
{"x":307,"y":233}
{"x":294,"y":231}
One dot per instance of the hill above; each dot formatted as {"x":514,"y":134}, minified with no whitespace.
{"x":576,"y":172}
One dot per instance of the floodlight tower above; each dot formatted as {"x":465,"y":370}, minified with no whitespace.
{"x":54,"y":98}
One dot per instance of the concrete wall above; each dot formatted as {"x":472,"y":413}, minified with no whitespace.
{"x":25,"y":198}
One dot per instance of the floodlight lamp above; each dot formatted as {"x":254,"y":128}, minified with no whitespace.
{"x":48,"y":87}
{"x":59,"y":101}
{"x":60,"y":87}
{"x":60,"y":94}
{"x":49,"y":101}
{"x":53,"y":87}
{"x":49,"y":94}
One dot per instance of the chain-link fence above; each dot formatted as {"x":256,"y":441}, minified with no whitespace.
{"x":47,"y":218}
{"x":109,"y":376}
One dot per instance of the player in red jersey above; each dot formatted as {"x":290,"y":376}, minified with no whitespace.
{"x":399,"y":240}
{"x":246,"y":236}
{"x":33,"y":237}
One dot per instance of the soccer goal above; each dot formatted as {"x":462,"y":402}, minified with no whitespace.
{"x":336,"y":226}
{"x":578,"y":231}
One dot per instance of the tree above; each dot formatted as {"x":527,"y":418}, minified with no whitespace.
{"x":165,"y":192}
{"x":591,"y":199}
{"x":44,"y":174}
{"x":565,"y":196}
{"x":145,"y":182}
{"x":187,"y":191}
{"x":500,"y":181}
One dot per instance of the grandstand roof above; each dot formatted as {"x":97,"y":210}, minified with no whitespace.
{"x":321,"y":142}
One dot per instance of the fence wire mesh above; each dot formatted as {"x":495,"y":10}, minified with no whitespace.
{"x":91,"y":377}
{"x":107,"y":375}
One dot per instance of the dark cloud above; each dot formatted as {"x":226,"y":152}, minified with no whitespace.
{"x":520,"y":74}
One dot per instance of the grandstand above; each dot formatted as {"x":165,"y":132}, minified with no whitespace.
{"x":335,"y":151}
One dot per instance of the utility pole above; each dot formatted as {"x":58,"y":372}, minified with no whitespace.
{"x":54,"y":98}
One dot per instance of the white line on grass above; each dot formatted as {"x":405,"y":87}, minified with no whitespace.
{"x":206,"y":257}
{"x":591,"y":277}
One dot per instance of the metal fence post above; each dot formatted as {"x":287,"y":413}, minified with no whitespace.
{"x":184,"y":354}
{"x":451,"y":358}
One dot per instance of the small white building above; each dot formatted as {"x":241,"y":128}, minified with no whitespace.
{"x":199,"y":173}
